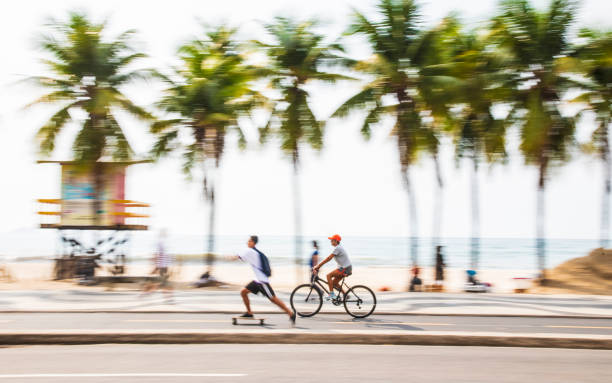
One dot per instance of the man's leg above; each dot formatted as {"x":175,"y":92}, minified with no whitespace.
{"x":330,"y":281}
{"x":281,"y":304}
{"x":333,"y":278}
{"x":267,"y":290}
{"x":338,"y":281}
{"x":245,"y":298}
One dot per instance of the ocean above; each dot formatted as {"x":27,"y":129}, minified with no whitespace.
{"x":495,"y":253}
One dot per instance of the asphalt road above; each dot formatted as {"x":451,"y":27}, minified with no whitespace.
{"x":321,"y":322}
{"x":301,"y":363}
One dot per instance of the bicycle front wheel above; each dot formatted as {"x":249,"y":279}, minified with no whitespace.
{"x":306,"y":300}
{"x":359,"y":301}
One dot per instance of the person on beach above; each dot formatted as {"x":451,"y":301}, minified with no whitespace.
{"x":439,"y":266}
{"x":314,"y":257}
{"x":261,"y":283}
{"x":344,"y":265}
{"x":163,"y":262}
{"x":415,"y":281}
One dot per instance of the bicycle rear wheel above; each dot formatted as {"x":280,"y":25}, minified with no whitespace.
{"x":306,"y":300}
{"x":359,"y":301}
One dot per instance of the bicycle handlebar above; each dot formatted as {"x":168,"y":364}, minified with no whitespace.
{"x":313,"y":274}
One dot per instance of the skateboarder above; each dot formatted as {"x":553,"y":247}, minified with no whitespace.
{"x":261,"y":283}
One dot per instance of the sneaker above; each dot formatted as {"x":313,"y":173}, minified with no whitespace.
{"x":330,"y":297}
{"x":246,"y":315}
{"x":293,"y":318}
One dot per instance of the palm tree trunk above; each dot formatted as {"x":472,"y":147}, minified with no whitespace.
{"x":208,"y":191}
{"x":540,"y":217}
{"x":97,"y":121}
{"x":475,"y":241}
{"x":605,"y":203}
{"x":412,"y":217}
{"x":98,"y":193}
{"x":210,"y":257}
{"x":437,"y":221}
{"x":297,"y":214}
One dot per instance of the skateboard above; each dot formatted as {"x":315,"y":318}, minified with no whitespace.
{"x":253,"y":319}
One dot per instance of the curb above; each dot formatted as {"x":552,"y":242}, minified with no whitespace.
{"x":291,"y":337}
{"x":270,"y":312}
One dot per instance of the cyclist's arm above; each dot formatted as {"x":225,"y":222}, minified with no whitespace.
{"x":329,"y":258}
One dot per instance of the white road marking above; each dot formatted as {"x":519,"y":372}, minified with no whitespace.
{"x":119,"y":375}
{"x":178,"y":320}
{"x":607,"y":327}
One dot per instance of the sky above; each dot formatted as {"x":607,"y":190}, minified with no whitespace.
{"x":351,"y":187}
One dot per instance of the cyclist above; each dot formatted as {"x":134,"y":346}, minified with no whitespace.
{"x":261,"y":283}
{"x":344,"y":265}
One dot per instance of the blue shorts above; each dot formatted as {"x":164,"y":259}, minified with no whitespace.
{"x":346,"y":271}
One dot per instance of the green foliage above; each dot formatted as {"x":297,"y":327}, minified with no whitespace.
{"x":534,"y":37}
{"x":538,"y":42}
{"x":594,"y":62}
{"x":481,"y":81}
{"x":207,"y":95}
{"x":402,"y":68}
{"x":429,"y":81}
{"x":297,"y":56}
{"x":87,"y":74}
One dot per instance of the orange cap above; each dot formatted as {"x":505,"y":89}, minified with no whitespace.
{"x":336,"y":237}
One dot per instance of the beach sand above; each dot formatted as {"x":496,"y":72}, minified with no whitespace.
{"x":591,"y":274}
{"x":38,"y":275}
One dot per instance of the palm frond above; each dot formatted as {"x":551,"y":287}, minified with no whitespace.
{"x":163,"y":144}
{"x":372,"y":118}
{"x":132,"y":108}
{"x":47,"y":133}
{"x":160,"y":126}
{"x":359,"y":101}
{"x":53,"y":97}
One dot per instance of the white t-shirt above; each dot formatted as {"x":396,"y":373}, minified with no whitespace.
{"x":251,"y":257}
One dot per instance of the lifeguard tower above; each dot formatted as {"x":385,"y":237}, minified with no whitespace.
{"x":92,"y":201}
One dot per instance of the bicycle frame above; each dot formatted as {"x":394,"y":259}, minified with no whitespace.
{"x":321,"y":283}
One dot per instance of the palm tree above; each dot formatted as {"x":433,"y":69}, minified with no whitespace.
{"x":298,"y":56}
{"x":538,"y":41}
{"x":478,"y":135}
{"x":88,"y":72}
{"x":401,"y":53}
{"x":207,"y":95}
{"x":433,"y":88}
{"x":595,"y":62}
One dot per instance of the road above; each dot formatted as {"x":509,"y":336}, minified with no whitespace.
{"x":301,"y":363}
{"x":321,"y":322}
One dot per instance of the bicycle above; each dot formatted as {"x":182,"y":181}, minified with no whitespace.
{"x":306,"y":300}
